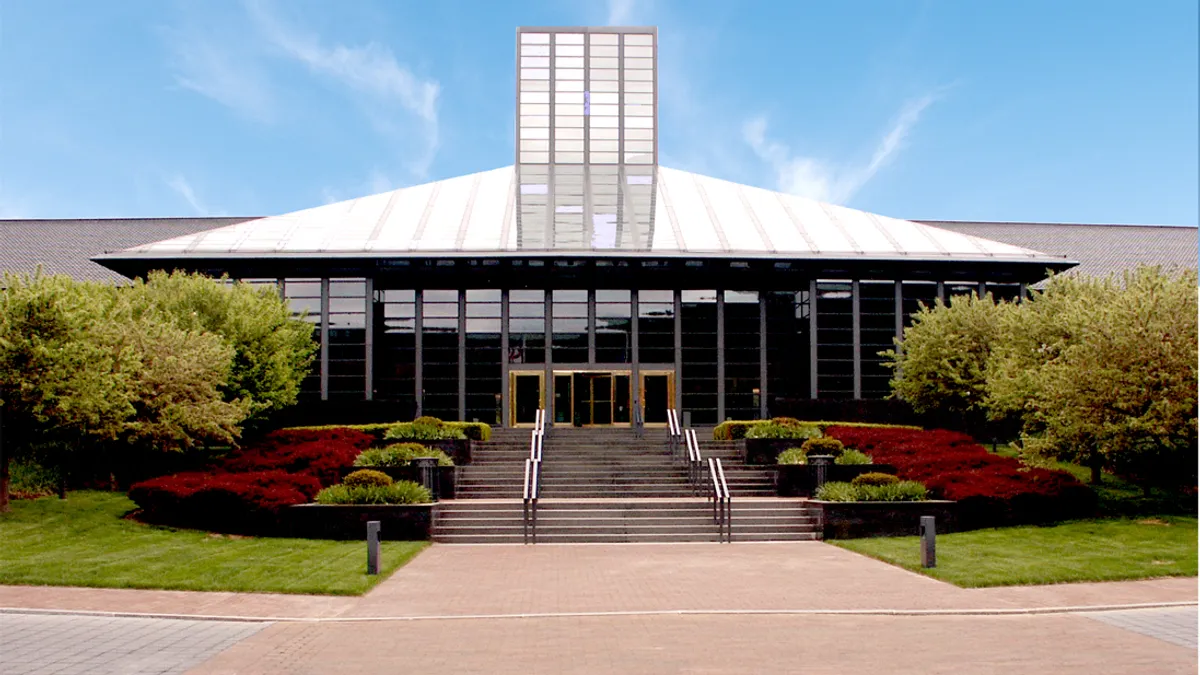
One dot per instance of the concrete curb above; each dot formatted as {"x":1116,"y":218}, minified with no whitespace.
{"x":1020,"y":611}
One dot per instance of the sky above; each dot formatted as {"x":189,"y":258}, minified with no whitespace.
{"x":1072,"y":111}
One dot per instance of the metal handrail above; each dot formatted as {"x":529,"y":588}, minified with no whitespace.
{"x":533,"y":478}
{"x":674,"y":433}
{"x":722,"y":503}
{"x":694,"y":462}
{"x":639,"y":422}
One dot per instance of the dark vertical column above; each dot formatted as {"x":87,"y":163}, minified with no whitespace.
{"x":369,"y":356}
{"x":855,"y":309}
{"x":547,"y":314}
{"x":1024,"y":293}
{"x":462,"y":355}
{"x":504,"y":388}
{"x":762,"y":354}
{"x":591,"y":325}
{"x":812,"y":339}
{"x":635,"y":381}
{"x":679,"y":351}
{"x":982,"y":289}
{"x":419,"y":351}
{"x":720,"y":356}
{"x":899,"y":312}
{"x":325,"y":339}
{"x":941,"y":290}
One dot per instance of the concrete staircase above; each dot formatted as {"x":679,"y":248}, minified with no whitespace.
{"x":606,"y":485}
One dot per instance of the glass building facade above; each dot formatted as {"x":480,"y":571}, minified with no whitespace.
{"x":593,"y":356}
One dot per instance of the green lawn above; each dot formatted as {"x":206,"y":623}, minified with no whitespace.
{"x":85,"y":541}
{"x":1083,"y":550}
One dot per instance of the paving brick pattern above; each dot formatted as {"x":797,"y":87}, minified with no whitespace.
{"x":813,"y":645}
{"x":1176,"y":625}
{"x":92,"y":645}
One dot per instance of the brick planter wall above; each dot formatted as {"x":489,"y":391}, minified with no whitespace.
{"x":397,"y":522}
{"x":854,"y":520}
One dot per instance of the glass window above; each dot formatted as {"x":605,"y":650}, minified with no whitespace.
{"x":788,"y":348}
{"x":742,"y":334}
{"x":439,"y":354}
{"x":877,"y":329}
{"x":304,"y":299}
{"x":698,"y":377}
{"x":527,"y":326}
{"x":835,"y":340}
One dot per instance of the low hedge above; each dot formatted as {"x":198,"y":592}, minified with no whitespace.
{"x":320,"y":453}
{"x":895,"y":491}
{"x":476,"y":431}
{"x":732,"y":430}
{"x":400,"y":492}
{"x":401,"y":454}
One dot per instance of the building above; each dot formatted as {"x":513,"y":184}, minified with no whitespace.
{"x":587,"y":279}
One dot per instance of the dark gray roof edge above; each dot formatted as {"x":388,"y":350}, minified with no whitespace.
{"x":1031,"y":223}
{"x":139,"y":219}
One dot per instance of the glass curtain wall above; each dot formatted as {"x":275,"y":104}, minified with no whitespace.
{"x":483,"y":356}
{"x":526,"y":326}
{"x":877,"y":328}
{"x":304,"y":299}
{"x":439,"y":358}
{"x":835,"y":340}
{"x":914,"y":294}
{"x":570,"y":326}
{"x":699,"y":376}
{"x":656,"y":327}
{"x":614,"y":326}
{"x":788,"y":346}
{"x":741,"y":355}
{"x":347,"y":339}
{"x":395,"y":348}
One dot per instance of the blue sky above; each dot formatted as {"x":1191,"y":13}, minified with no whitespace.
{"x":1080,"y":111}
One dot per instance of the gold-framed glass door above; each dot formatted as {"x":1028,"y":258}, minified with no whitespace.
{"x":528,"y":394}
{"x":657,"y":395}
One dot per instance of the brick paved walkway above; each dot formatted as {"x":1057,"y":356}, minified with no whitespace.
{"x":89,"y":645}
{"x":1176,"y":625}
{"x":551,"y":609}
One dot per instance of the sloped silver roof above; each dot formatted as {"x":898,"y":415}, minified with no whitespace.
{"x":695,"y":216}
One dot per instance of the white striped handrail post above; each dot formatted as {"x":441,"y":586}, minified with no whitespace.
{"x":525,"y":501}
{"x":694,"y":463}
{"x":727,"y":516}
{"x":674,"y":433}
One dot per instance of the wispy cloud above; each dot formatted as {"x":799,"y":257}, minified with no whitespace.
{"x":221,"y":69}
{"x":184,"y":189}
{"x":824,"y":180}
{"x":373,"y":73}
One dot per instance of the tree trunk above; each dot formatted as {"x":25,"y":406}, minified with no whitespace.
{"x":4,"y":475}
{"x":1096,"y":466}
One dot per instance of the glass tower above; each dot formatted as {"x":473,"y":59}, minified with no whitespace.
{"x":587,"y":141}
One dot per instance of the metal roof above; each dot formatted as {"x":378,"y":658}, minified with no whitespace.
{"x":696,"y":216}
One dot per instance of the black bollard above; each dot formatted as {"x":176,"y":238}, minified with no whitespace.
{"x":373,"y":547}
{"x":928,"y":542}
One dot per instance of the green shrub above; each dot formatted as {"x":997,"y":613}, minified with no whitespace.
{"x":823,"y":446}
{"x":429,"y":420}
{"x":30,"y":480}
{"x":852,"y":456}
{"x":782,"y":431}
{"x":476,"y":431}
{"x":732,"y":430}
{"x":875,"y":478}
{"x":901,"y":491}
{"x":837,"y":491}
{"x":400,"y":454}
{"x":414,"y":431}
{"x":401,"y":492}
{"x":792,"y":456}
{"x":367,"y":477}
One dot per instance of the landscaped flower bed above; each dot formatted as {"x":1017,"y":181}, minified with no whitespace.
{"x":249,"y":490}
{"x":990,"y":490}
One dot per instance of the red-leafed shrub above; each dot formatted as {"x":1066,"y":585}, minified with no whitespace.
{"x":321,"y":453}
{"x":222,"y":501}
{"x":246,"y":491}
{"x":990,"y":489}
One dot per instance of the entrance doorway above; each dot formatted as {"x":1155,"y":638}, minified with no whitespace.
{"x":588,"y":398}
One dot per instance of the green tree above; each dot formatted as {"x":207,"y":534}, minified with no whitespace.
{"x":941,"y":365}
{"x":1104,"y":373}
{"x":273,"y":351}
